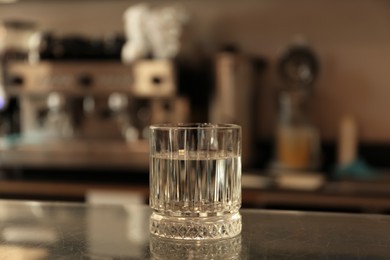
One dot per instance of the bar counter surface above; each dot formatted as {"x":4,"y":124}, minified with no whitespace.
{"x":52,"y":230}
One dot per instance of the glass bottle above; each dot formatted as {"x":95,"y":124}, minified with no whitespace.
{"x":297,"y":140}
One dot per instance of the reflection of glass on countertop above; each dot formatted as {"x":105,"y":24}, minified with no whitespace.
{"x":162,"y":248}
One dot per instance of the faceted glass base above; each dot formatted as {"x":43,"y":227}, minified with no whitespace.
{"x":196,"y":228}
{"x":227,"y":249}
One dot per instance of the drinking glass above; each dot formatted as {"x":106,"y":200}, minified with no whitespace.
{"x":195,"y":180}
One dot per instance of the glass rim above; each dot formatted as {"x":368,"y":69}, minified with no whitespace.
{"x":194,"y":126}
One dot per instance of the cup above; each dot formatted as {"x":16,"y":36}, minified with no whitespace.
{"x":195,"y":181}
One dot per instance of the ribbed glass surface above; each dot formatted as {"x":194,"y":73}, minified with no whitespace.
{"x":195,"y":185}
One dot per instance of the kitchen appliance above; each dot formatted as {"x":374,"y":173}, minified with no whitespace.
{"x":19,"y":41}
{"x":297,"y":139}
{"x":233,"y":97}
{"x":89,"y":114}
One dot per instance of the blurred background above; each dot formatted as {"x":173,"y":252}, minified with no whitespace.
{"x":81,"y":81}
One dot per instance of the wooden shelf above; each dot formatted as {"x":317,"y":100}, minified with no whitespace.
{"x":315,"y":200}
{"x":63,"y":189}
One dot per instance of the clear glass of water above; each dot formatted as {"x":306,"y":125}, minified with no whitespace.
{"x":195,"y":181}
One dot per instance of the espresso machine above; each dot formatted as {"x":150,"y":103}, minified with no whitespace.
{"x":76,"y":101}
{"x":89,"y":114}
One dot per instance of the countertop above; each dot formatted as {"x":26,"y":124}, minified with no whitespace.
{"x":46,"y":230}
